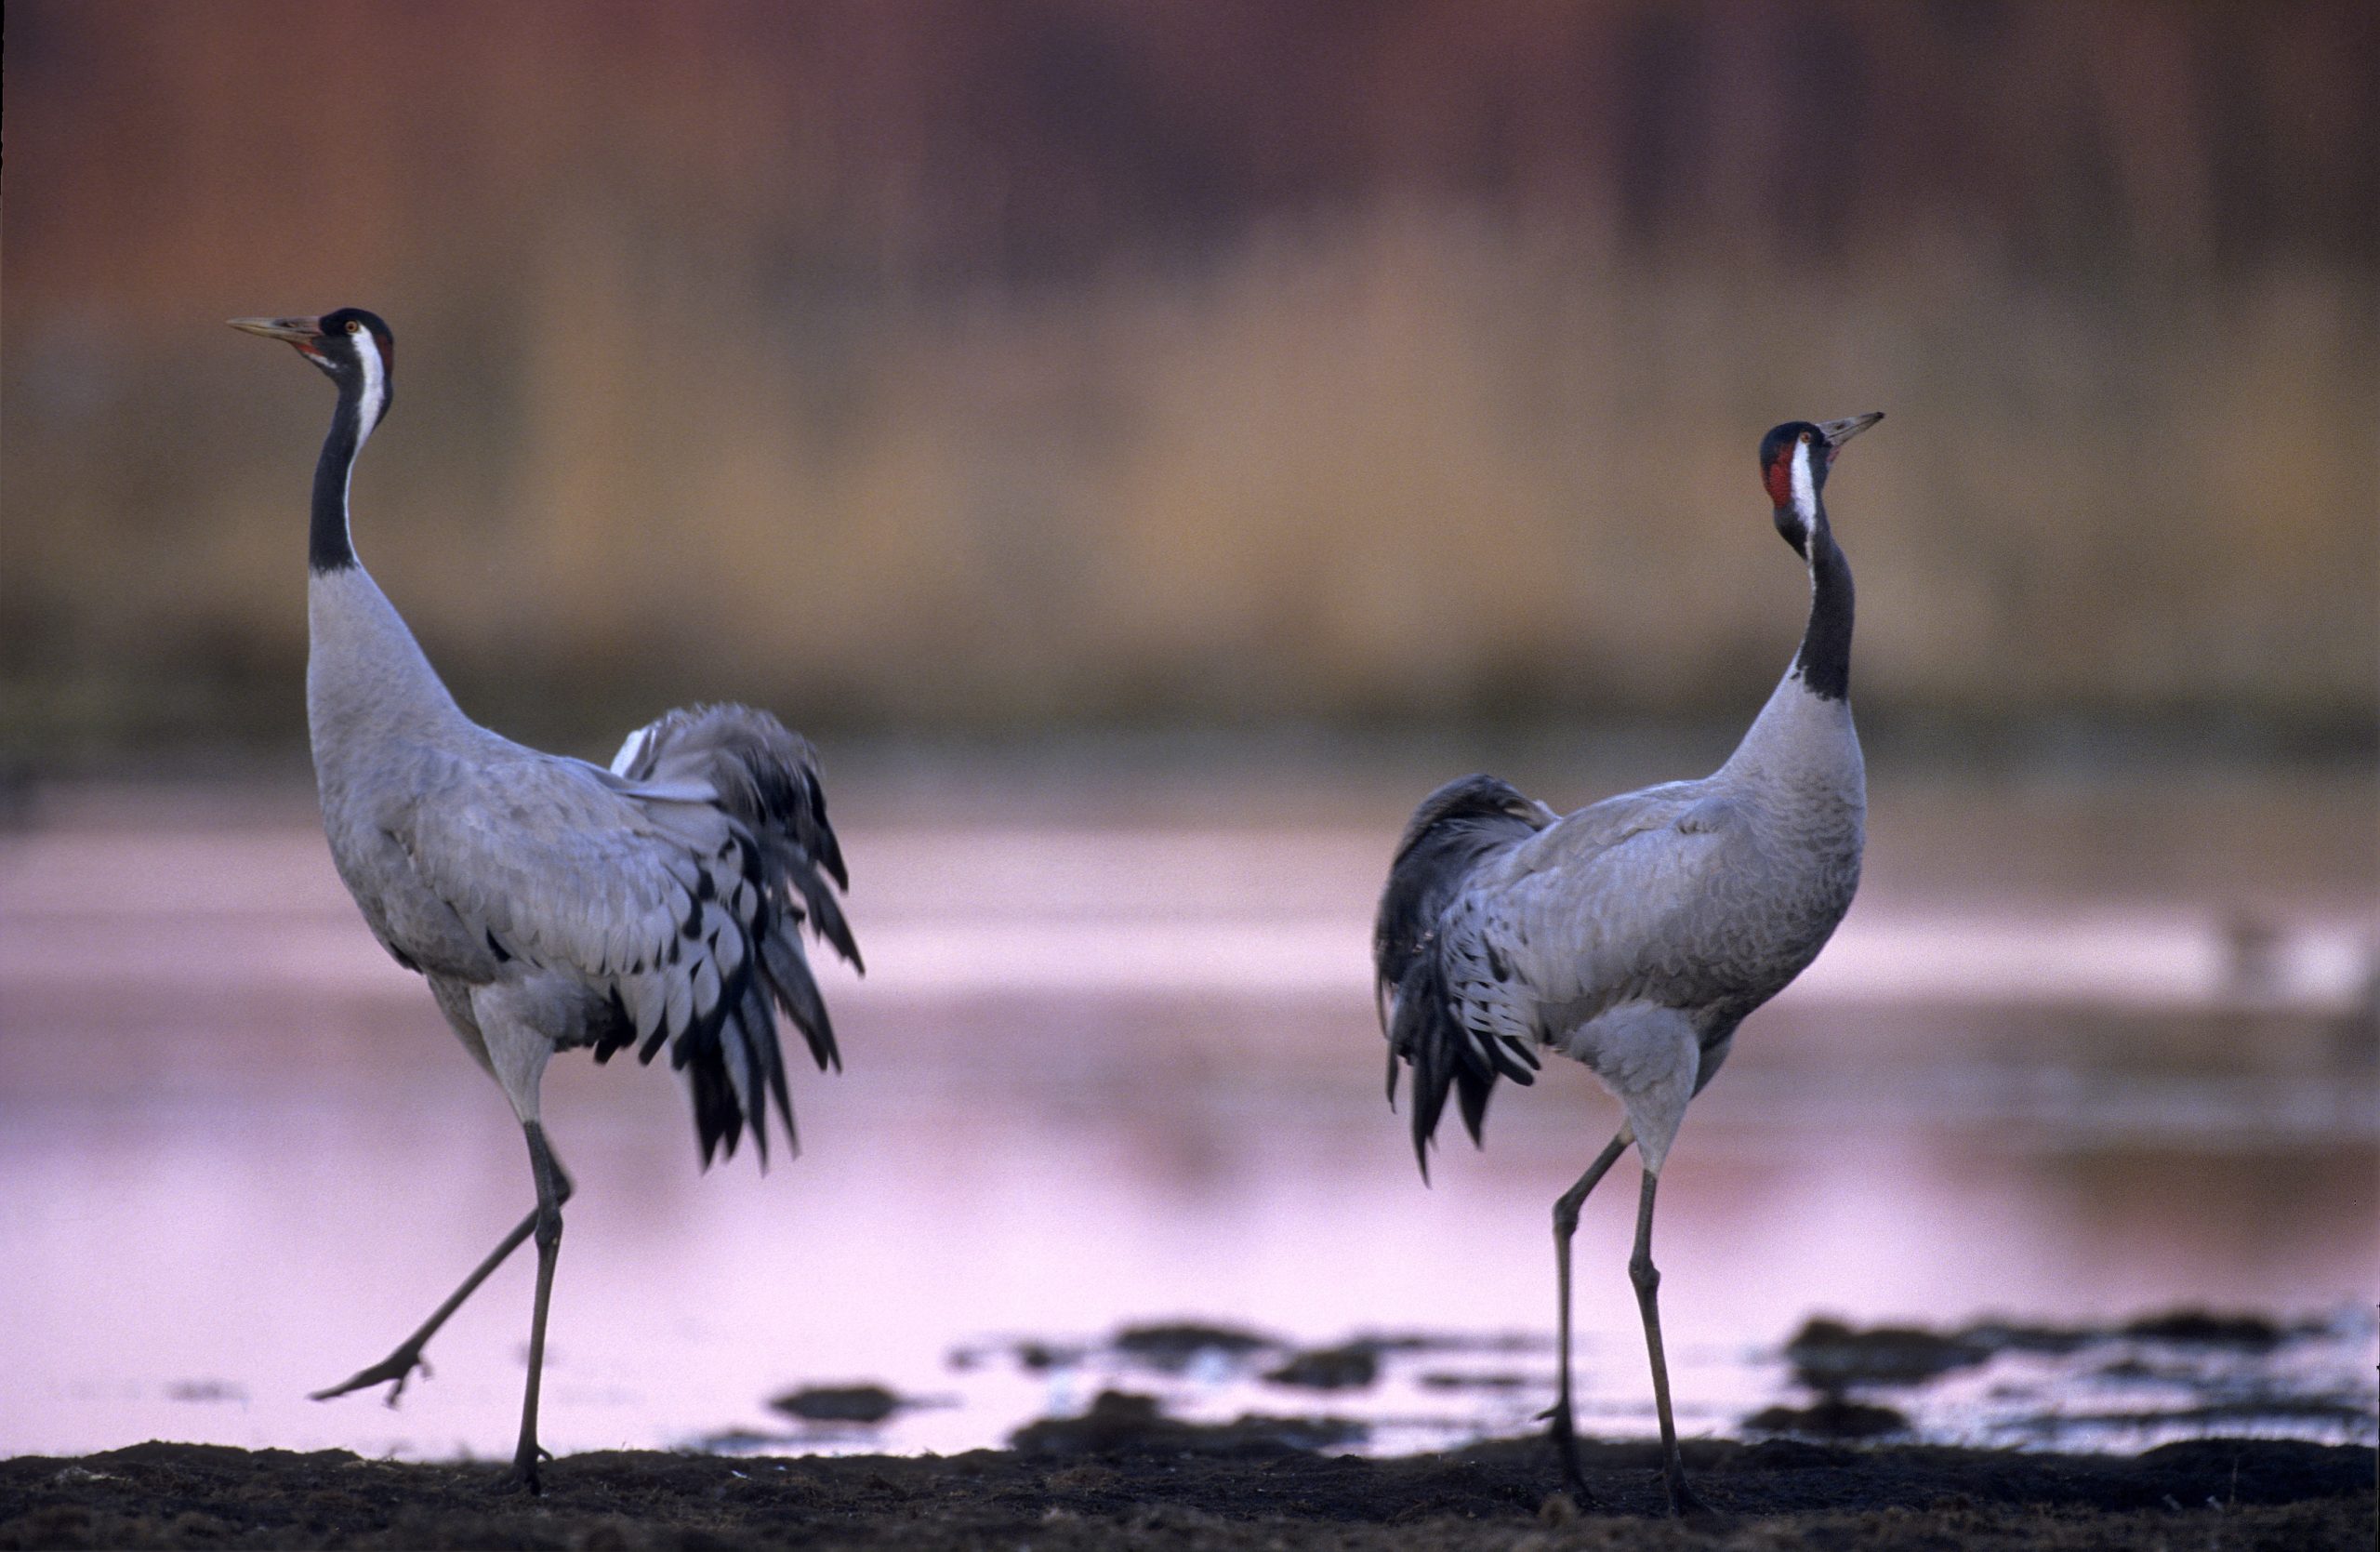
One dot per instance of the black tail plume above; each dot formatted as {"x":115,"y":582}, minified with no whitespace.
{"x":1457,"y":827}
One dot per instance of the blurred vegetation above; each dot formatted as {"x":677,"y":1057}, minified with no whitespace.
{"x":940,"y":364}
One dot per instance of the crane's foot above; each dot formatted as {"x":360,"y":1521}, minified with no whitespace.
{"x":393,"y":1371}
{"x":1565,"y":1449}
{"x":1682,"y":1503}
{"x":522,"y":1476}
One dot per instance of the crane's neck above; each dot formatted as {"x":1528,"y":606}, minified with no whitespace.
{"x":1824,"y":663}
{"x":362,"y":399}
{"x":366,"y":678}
{"x":1803,"y":735}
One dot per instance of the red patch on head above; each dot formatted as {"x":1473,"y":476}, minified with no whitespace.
{"x":1778,"y":477}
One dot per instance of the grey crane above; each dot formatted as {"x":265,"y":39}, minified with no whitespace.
{"x":552,"y":904}
{"x":1635,"y":935}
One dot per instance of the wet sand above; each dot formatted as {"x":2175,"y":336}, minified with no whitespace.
{"x":1221,"y":1490}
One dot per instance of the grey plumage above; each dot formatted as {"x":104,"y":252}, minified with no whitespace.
{"x":553,"y":903}
{"x":1635,"y":935}
{"x":550,"y":903}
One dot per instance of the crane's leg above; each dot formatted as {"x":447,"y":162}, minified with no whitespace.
{"x":1566,"y":1224}
{"x":1647,"y":1279}
{"x":398,"y":1367}
{"x":516,"y":1061}
{"x":553,"y":1189}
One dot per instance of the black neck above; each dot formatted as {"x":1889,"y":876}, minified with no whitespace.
{"x":327,"y":545}
{"x":1824,"y":662}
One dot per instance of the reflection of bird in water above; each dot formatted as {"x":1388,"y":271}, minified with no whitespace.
{"x":1635,"y":935}
{"x":551,"y":903}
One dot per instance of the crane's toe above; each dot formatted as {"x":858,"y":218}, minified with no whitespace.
{"x":393,"y":1370}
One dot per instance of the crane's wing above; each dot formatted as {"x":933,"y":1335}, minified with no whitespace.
{"x":1577,"y":915}
{"x":672,"y":887}
{"x":1532,"y":925}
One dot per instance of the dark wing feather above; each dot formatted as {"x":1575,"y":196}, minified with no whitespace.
{"x":765,"y":779}
{"x":1457,"y":827}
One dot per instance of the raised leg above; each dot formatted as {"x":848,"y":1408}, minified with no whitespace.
{"x":1647,"y":1279}
{"x":1566,"y":1224}
{"x":395,"y":1369}
{"x":553,"y":1189}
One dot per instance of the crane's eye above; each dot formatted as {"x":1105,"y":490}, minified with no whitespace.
{"x":354,"y":327}
{"x":1805,"y":436}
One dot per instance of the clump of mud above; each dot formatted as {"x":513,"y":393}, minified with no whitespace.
{"x":839,"y":1403}
{"x":1349,"y":1366}
{"x":1173,"y":1346}
{"x":1122,"y":1422}
{"x":1831,"y":1357}
{"x":1831,"y":1416}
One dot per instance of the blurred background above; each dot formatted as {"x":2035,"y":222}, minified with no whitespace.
{"x":1149,"y":446}
{"x":1016,"y":366}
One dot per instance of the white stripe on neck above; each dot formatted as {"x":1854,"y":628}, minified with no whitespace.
{"x":373,"y":398}
{"x":1805,"y":490}
{"x":371,"y":402}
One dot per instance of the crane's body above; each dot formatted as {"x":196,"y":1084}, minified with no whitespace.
{"x":1635,"y":935}
{"x":551,"y":903}
{"x":548,"y":900}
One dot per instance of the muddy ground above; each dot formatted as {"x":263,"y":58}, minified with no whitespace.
{"x":1217,"y":1494}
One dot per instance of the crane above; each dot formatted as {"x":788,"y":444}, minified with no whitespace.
{"x":550,"y":903}
{"x":1635,"y":935}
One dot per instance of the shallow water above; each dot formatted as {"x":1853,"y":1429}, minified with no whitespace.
{"x":1116,"y":1062}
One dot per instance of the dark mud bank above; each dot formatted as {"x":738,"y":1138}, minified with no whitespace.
{"x":2233,"y":1493}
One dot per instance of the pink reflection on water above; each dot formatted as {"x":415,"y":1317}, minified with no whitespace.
{"x":245,"y":1157}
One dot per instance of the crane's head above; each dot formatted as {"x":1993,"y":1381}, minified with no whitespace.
{"x":355,"y":347}
{"x":1795,"y":459}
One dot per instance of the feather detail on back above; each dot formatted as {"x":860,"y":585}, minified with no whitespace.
{"x":1457,"y":827}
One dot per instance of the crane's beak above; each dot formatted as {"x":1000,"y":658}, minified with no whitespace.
{"x":1837,"y":433}
{"x":300,"y":332}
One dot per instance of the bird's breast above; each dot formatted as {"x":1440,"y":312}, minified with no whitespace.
{"x":1764,"y":914}
{"x":369,"y":848}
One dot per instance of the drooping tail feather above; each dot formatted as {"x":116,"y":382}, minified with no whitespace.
{"x":1457,"y":827}
{"x":766,"y":779}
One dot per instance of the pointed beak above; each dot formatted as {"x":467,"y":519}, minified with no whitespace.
{"x":300,"y":332}
{"x":1837,"y":433}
